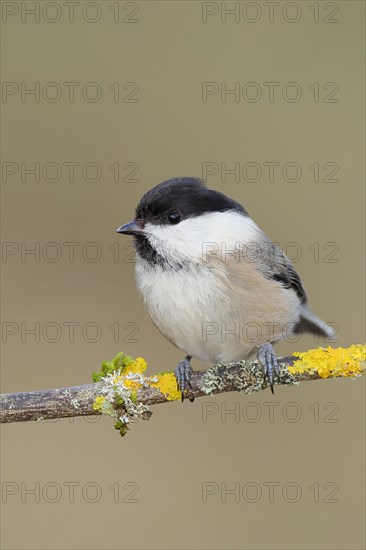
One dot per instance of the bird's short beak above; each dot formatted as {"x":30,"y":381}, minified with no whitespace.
{"x":131,"y":228}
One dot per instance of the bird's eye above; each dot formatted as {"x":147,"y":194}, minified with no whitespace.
{"x":174,"y":217}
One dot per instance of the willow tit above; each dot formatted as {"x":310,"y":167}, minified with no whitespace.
{"x":211,"y":280}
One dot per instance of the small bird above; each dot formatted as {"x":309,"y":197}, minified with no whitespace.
{"x":211,"y":281}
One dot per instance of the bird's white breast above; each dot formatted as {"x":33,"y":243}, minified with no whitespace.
{"x":181,"y":304}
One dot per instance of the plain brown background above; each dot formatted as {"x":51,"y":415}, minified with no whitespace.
{"x":170,"y":132}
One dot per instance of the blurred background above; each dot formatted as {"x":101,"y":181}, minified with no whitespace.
{"x":101,"y":101}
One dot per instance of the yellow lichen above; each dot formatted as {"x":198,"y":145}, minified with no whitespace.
{"x":133,"y":385}
{"x":332,"y":362}
{"x":98,"y":402}
{"x":138,"y":366}
{"x":167,"y":385}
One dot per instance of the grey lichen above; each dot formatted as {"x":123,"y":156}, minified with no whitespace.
{"x":242,"y":376}
{"x":286,"y":378}
{"x":249,"y":378}
{"x":118,"y":399}
{"x":212,"y":380}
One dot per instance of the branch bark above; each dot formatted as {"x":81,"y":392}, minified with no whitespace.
{"x":78,"y":400}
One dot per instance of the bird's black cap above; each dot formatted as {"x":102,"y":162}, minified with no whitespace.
{"x":188,"y":196}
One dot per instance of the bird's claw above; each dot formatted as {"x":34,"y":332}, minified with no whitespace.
{"x":183,"y":374}
{"x":268,"y":360}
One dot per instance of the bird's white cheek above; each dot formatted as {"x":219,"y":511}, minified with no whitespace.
{"x":195,"y":238}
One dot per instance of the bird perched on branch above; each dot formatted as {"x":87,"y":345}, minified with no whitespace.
{"x":211,"y":280}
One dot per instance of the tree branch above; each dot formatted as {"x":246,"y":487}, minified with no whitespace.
{"x":130,"y":394}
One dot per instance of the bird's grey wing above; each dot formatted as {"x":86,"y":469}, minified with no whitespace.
{"x":277,"y":266}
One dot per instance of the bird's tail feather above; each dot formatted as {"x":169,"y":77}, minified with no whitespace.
{"x":309,"y":322}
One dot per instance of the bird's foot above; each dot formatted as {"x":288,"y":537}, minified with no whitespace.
{"x":183,"y":374}
{"x":267,"y":359}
